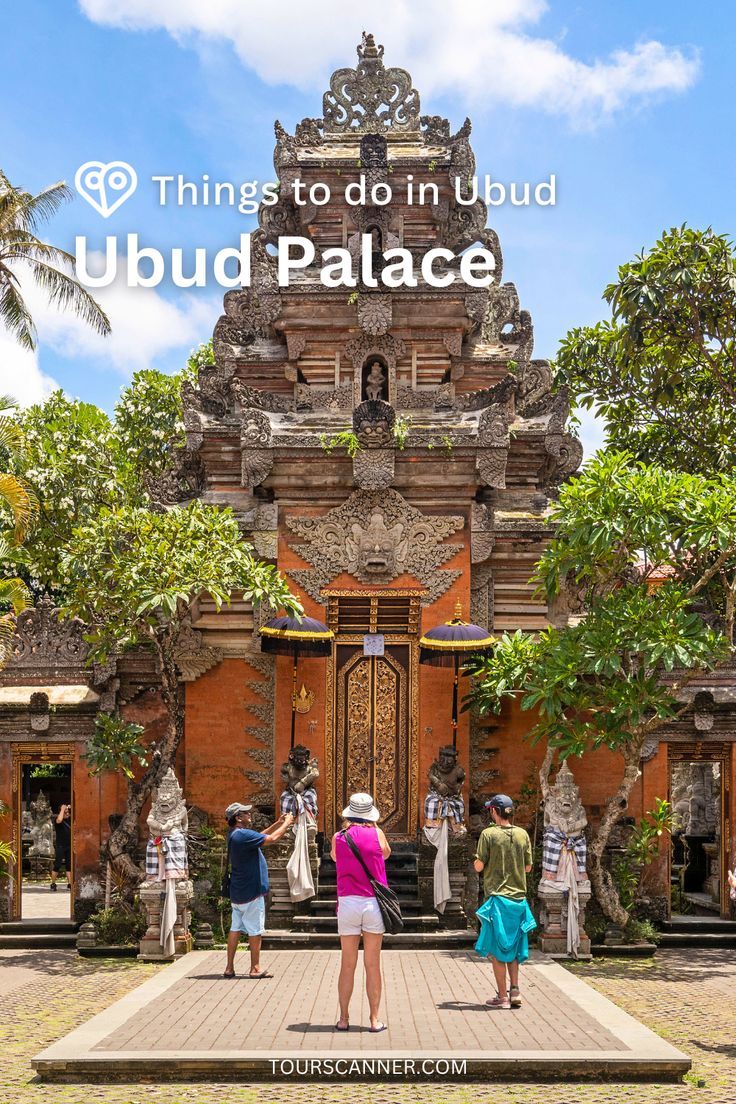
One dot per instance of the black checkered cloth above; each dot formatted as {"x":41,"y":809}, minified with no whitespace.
{"x":437,"y":807}
{"x":554,"y":842}
{"x":174,"y":850}
{"x":289,"y":803}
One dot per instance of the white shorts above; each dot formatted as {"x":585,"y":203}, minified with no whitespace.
{"x":250,"y":917}
{"x":359,"y":914}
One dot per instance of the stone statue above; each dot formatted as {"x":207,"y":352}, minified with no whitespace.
{"x":42,"y":828}
{"x":703,"y":817}
{"x":444,"y":800}
{"x":680,"y":802}
{"x":564,"y":889}
{"x":298,"y":774}
{"x":373,"y":424}
{"x":375,"y":381}
{"x":167,"y":891}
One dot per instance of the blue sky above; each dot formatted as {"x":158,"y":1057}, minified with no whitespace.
{"x":630,"y":105}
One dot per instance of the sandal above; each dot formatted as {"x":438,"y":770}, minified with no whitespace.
{"x":499,"y":1002}
{"x":227,"y":975}
{"x":377,"y":1028}
{"x":515,"y":996}
{"x":338,"y":1028}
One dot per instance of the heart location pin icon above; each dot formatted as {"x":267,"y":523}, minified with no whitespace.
{"x":106,"y":186}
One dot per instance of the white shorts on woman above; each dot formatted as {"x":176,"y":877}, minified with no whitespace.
{"x":359,"y":914}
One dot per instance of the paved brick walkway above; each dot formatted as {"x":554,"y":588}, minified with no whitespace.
{"x":190,"y":1021}
{"x":39,"y":903}
{"x":688,"y":997}
{"x":434,"y":1000}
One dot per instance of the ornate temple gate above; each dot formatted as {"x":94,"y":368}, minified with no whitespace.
{"x":372,"y":707}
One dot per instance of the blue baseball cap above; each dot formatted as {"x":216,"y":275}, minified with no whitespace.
{"x":502,"y":803}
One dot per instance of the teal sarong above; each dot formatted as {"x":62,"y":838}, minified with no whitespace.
{"x":504,"y":929}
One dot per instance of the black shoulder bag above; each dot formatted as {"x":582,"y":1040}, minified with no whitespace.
{"x":388,"y":902}
{"x":225,"y":886}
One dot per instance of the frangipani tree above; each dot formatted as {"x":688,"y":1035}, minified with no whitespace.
{"x":662,"y":371}
{"x":132,"y":576}
{"x":648,"y":559}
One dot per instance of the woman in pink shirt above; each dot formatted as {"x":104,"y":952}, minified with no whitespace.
{"x":357,"y":909}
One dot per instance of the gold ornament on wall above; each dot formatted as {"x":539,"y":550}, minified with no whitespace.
{"x":303,"y":700}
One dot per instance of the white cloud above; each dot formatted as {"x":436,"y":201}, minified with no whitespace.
{"x":20,"y":374}
{"x":480,"y":49}
{"x":146,"y":327}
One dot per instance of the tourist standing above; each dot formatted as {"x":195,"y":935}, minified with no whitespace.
{"x":358,"y":913}
{"x":249,"y":883}
{"x":504,"y":857}
{"x":62,"y":847}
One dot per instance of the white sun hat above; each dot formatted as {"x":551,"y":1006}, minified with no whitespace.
{"x":361,"y":807}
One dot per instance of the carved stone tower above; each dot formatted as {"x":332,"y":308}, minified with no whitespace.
{"x":392,"y":451}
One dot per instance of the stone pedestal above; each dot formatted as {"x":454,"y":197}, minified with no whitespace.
{"x":152,"y":899}
{"x":454,"y":916}
{"x":553,"y":917}
{"x":281,"y":908}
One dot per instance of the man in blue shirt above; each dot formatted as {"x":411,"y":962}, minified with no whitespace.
{"x":249,"y":883}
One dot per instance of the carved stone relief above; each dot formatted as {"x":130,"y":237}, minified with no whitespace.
{"x":193,"y":658}
{"x":375,"y":313}
{"x":370,"y":97}
{"x":375,"y":536}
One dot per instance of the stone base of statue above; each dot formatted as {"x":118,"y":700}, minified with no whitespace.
{"x":454,"y":916}
{"x":553,"y":918}
{"x":282,"y":909}
{"x":152,"y":899}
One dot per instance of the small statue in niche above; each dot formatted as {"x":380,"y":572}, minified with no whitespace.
{"x":298,"y":774}
{"x":42,"y":829}
{"x":376,"y":381}
{"x":444,"y":800}
{"x":373,"y":424}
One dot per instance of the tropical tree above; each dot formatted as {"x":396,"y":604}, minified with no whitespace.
{"x":662,"y":370}
{"x":77,"y":461}
{"x":18,"y":505}
{"x":132,"y":575}
{"x":23,"y":252}
{"x":646,"y":559}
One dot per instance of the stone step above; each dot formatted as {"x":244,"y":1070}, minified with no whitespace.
{"x":29,"y":942}
{"x":322,"y":904}
{"x":37,"y":927}
{"x":328,"y":924}
{"x":702,"y":940}
{"x":699,"y":925}
{"x":406,"y":940}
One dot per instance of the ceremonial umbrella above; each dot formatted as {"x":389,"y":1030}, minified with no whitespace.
{"x":445,"y":645}
{"x":290,"y":636}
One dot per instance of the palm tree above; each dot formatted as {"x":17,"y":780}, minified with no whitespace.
{"x":21,"y":214}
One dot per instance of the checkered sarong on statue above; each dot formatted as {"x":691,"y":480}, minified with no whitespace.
{"x":436,"y":807}
{"x":289,"y":803}
{"x":554,"y":841}
{"x":174,"y":851}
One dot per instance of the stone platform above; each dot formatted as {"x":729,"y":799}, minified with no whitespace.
{"x":189,"y":1022}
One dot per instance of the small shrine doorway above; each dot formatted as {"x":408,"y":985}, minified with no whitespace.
{"x":699,"y":785}
{"x":43,"y":853}
{"x":372,"y":707}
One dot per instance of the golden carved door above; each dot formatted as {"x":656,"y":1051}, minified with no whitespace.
{"x":371,"y":753}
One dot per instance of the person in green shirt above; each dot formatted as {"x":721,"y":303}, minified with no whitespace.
{"x":504,"y":858}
